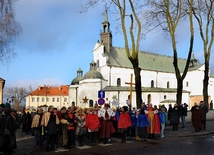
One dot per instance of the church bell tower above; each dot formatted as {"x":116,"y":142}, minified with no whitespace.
{"x":105,"y":35}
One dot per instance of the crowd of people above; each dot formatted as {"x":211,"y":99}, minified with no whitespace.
{"x":68,"y":127}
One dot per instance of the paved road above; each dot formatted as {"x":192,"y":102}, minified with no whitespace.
{"x":26,"y":143}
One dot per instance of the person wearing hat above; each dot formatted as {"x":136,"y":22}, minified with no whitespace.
{"x":124,"y":123}
{"x":50,"y":122}
{"x":106,"y":115}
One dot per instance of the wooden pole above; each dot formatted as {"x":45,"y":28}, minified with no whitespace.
{"x":130,"y":83}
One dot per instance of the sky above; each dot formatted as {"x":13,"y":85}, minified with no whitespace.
{"x":57,"y":40}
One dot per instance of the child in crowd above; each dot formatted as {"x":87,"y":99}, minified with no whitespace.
{"x":162,"y":118}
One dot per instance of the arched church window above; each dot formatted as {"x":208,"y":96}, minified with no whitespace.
{"x":187,"y":84}
{"x":167,"y":84}
{"x":152,"y":84}
{"x":164,"y":97}
{"x":98,"y":63}
{"x":149,"y":98}
{"x":91,"y":103}
{"x":118,"y":82}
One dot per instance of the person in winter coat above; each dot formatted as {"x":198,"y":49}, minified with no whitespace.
{"x":37,"y":128}
{"x":162,"y":118}
{"x":71,"y":127}
{"x":142,"y":124}
{"x":50,"y":122}
{"x":197,"y":116}
{"x":7,"y":130}
{"x":175,"y":117}
{"x":169,"y":114}
{"x":81,"y":130}
{"x":183,"y":115}
{"x":204,"y":110}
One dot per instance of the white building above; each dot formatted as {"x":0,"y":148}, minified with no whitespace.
{"x":110,"y":69}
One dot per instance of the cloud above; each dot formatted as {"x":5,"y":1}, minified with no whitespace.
{"x":34,"y":83}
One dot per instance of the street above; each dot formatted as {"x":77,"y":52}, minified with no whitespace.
{"x":167,"y":146}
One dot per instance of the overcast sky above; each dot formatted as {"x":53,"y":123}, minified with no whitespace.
{"x":56,"y":40}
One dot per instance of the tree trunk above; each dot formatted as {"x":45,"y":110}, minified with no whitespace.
{"x":179,"y":90}
{"x":205,"y":83}
{"x":138,"y":88}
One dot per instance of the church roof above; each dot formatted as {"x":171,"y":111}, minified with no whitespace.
{"x":147,"y":61}
{"x":93,"y":74}
{"x":76,"y":80}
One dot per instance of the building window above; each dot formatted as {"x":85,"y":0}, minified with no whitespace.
{"x":98,"y":63}
{"x":37,"y":99}
{"x":164,"y":97}
{"x":149,"y":98}
{"x":47,"y":99}
{"x":33,"y":99}
{"x":57,"y":99}
{"x":65,"y":99}
{"x":152,"y":84}
{"x":118,"y":82}
{"x":43,"y":99}
{"x":168,"y":84}
{"x":187,"y":84}
{"x":53,"y":99}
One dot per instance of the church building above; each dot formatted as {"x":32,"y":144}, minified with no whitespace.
{"x":111,"y":70}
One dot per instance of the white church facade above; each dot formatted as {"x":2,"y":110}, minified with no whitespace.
{"x":110,"y":69}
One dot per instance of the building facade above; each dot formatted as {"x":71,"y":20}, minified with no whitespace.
{"x":110,"y":70}
{"x":44,"y":96}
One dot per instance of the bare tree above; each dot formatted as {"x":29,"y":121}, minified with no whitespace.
{"x":204,"y":13}
{"x":16,"y":96}
{"x":9,"y":30}
{"x":135,"y":24}
{"x":167,"y":14}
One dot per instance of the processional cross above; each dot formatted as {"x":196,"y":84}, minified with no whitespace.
{"x":130,"y":83}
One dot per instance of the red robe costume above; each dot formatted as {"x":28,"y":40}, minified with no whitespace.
{"x":92,"y":122}
{"x":124,"y":121}
{"x":107,"y":127}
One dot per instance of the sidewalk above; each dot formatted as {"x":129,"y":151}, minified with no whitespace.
{"x":189,"y":130}
{"x":27,"y":144}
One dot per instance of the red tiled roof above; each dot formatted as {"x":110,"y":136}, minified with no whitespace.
{"x":51,"y":91}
